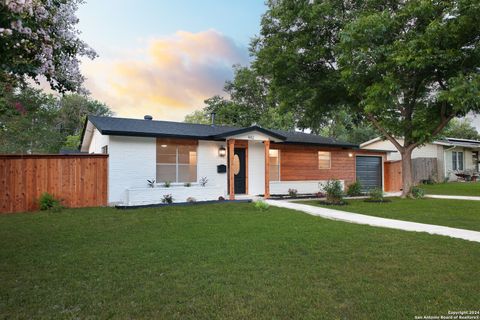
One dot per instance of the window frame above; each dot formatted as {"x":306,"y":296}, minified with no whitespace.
{"x":456,"y":163}
{"x":177,"y":165}
{"x":277,"y":165}
{"x":329,"y":159}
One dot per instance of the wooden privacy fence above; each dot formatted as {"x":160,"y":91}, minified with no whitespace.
{"x":80,"y":180}
{"x":423,"y":169}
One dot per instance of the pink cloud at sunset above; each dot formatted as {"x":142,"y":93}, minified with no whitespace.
{"x":168,"y":78}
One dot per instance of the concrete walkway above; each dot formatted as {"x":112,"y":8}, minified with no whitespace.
{"x":378,"y":222}
{"x":440,"y":196}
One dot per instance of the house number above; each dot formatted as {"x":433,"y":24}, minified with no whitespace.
{"x":251,"y":137}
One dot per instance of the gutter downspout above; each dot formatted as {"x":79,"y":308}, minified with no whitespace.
{"x":445,"y":161}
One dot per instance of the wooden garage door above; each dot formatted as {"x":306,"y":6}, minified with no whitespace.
{"x":369,"y":172}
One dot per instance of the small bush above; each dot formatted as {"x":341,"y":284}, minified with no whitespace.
{"x":203,"y":181}
{"x":187,"y":184}
{"x":333,"y":189}
{"x":417,"y":193}
{"x":221,"y":198}
{"x":167,"y":198}
{"x":151,"y":183}
{"x":375,"y":194}
{"x":191,"y":200}
{"x":49,"y":202}
{"x":292,"y":192}
{"x":320,"y":195}
{"x":261,"y":205}
{"x":354,"y":190}
{"x":167,"y":184}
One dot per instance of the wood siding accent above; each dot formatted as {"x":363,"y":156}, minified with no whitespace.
{"x":266,"y":194}
{"x":393,"y":176}
{"x":231,"y":184}
{"x":80,"y":180}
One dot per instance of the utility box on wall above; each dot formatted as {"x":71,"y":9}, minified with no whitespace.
{"x":221,"y":168}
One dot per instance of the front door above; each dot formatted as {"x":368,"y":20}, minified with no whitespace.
{"x":239,"y":171}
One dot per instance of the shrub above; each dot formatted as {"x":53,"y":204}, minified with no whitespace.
{"x":49,"y":202}
{"x":261,"y":205}
{"x":292,"y":192}
{"x":203,"y":181}
{"x":221,"y":198}
{"x":167,"y":184}
{"x":320,"y":195}
{"x":187,"y":184}
{"x":151,"y":183}
{"x":375,"y":194}
{"x":191,"y":200}
{"x":333,"y":189}
{"x":354,"y":190}
{"x":417,"y":193}
{"x":167,"y":198}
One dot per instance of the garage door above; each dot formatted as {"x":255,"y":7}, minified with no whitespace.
{"x":369,"y":172}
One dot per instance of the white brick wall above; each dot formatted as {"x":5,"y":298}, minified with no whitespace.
{"x":142,"y":196}
{"x":98,"y":141}
{"x":281,"y":187}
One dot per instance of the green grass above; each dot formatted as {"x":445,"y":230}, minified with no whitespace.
{"x":451,"y":213}
{"x":226,"y":261}
{"x":453,"y":188}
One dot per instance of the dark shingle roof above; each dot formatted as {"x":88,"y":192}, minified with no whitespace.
{"x":155,"y":128}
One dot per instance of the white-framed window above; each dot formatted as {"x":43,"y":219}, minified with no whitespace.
{"x":274,"y":155}
{"x":457,"y":160}
{"x":176,"y":162}
{"x":324,"y":160}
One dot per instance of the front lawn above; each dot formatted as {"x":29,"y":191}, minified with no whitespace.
{"x":453,"y":188}
{"x":451,"y":213}
{"x":226,"y":261}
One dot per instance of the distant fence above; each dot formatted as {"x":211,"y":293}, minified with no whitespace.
{"x":80,"y":180}
{"x":423,"y":169}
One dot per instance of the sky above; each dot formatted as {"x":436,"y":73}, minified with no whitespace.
{"x":164,"y":58}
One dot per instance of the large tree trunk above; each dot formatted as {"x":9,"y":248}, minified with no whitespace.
{"x":407,"y":171}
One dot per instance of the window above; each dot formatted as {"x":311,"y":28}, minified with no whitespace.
{"x":176,"y":163}
{"x":274,"y":155}
{"x":324,"y":160}
{"x":457,"y":160}
{"x":105,"y":149}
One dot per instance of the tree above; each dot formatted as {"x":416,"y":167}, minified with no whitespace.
{"x":249,"y":103}
{"x":406,"y":67}
{"x":462,"y":129}
{"x":32,"y":121}
{"x":38,"y":38}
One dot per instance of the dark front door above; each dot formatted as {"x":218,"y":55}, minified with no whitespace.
{"x":238,"y":168}
{"x":369,"y":172}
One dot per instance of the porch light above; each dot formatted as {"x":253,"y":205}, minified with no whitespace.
{"x":222,"y":151}
{"x":163,"y":145}
{"x":350,"y":154}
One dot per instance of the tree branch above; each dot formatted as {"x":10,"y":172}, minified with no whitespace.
{"x":385,"y":133}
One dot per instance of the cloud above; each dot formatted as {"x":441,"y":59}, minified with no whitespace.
{"x":168,"y":78}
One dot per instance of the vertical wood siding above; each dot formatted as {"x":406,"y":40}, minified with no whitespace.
{"x":80,"y":180}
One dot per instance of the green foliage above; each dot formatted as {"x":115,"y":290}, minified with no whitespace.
{"x":354,"y":189}
{"x":292,"y":192}
{"x":167,"y":199}
{"x":49,"y":202}
{"x":167,"y":184}
{"x":417,"y":193}
{"x":334,"y":191}
{"x":462,"y":129}
{"x":36,"y":122}
{"x":261,"y":205}
{"x":198,"y":116}
{"x":187,"y":184}
{"x":376,"y":194}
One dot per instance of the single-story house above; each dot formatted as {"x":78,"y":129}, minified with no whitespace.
{"x":211,"y":161}
{"x":452,"y":155}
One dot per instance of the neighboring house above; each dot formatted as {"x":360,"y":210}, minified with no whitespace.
{"x":234,"y":161}
{"x":452,"y":155}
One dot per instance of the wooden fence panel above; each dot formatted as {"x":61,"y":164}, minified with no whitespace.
{"x":393,"y":176}
{"x":80,"y":180}
{"x":424,"y":169}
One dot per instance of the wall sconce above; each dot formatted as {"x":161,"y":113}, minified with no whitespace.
{"x":350,"y":154}
{"x":222,"y":151}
